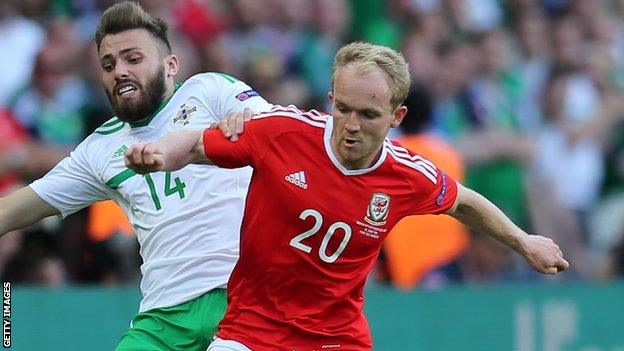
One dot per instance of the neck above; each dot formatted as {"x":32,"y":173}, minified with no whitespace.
{"x":169,"y":90}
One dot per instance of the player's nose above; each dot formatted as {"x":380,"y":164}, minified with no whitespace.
{"x":352,"y":123}
{"x":121,"y":71}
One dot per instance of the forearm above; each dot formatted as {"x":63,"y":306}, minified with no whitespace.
{"x":21,"y":209}
{"x":181,"y":148}
{"x":478,"y":213}
{"x":475,"y":211}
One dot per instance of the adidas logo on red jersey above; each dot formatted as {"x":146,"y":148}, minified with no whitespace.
{"x":297,"y":178}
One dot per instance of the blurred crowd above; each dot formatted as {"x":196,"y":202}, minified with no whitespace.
{"x":523,"y":96}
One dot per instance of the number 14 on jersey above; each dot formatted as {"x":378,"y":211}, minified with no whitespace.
{"x":168,"y":188}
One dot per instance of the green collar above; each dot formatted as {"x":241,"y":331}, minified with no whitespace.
{"x":146,"y":121}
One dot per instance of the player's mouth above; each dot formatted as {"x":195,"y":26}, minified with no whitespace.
{"x":350,"y":143}
{"x":127,"y":90}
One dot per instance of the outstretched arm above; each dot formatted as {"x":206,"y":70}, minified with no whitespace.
{"x":171,"y":152}
{"x":23,"y":208}
{"x":475,"y":211}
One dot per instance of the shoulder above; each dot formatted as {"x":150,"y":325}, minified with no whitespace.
{"x":215,"y":86}
{"x":293,"y":118}
{"x":282,"y":121}
{"x":110,"y":132}
{"x":212,"y":80}
{"x":412,"y":165}
{"x":112,"y":126}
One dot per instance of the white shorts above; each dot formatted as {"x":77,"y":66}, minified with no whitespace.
{"x":219,"y":344}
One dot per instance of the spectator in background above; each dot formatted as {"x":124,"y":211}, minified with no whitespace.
{"x":115,"y":259}
{"x":532,"y":66}
{"x":494,"y":148}
{"x":606,"y":246}
{"x":22,"y":38}
{"x":316,"y":50}
{"x":50,"y":107}
{"x":418,"y":245}
{"x":372,"y":22}
{"x":201,"y":25}
{"x":452,"y":110}
{"x":478,"y":117}
{"x":468,"y":16}
{"x":249,"y":32}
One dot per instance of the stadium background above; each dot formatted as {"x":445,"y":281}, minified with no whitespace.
{"x":520,"y":98}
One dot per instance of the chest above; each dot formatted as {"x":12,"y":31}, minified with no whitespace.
{"x":151,"y":197}
{"x":344,"y":216}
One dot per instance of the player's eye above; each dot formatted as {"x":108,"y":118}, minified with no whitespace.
{"x":107,"y":67}
{"x":342,"y":109}
{"x":134,"y":60}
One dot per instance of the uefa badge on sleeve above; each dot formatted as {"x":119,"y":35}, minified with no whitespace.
{"x":378,"y":208}
{"x":246,"y":95}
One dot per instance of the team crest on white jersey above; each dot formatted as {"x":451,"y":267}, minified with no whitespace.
{"x":184,"y":114}
{"x":378,"y":208}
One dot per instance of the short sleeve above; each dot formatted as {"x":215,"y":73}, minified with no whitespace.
{"x":70,"y":185}
{"x":252,"y":145}
{"x":240,"y":96}
{"x":436,"y":198}
{"x":433,"y":189}
{"x":224,"y":94}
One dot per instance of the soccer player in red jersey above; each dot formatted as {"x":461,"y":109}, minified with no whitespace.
{"x":325,"y":192}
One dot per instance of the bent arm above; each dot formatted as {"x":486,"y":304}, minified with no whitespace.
{"x":170,"y":153}
{"x":475,"y":211}
{"x":23,"y":208}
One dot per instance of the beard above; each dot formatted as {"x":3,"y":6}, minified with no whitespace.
{"x":139,"y":109}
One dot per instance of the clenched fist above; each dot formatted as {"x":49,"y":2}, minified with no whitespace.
{"x":144,"y":158}
{"x":543,"y":255}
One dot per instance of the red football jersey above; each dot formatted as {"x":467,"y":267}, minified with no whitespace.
{"x":313,"y":229}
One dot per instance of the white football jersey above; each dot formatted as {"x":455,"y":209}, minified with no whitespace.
{"x":188,"y":221}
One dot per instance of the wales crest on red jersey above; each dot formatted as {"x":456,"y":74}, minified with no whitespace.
{"x":378,"y":208}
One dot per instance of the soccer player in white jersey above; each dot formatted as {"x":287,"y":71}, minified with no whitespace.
{"x":187,"y":222}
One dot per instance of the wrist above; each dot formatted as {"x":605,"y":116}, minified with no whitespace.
{"x":521,"y":243}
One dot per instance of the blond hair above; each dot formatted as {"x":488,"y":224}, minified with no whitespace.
{"x":129,"y":15}
{"x":368,"y":56}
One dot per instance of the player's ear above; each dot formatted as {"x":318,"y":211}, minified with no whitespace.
{"x":330,"y":95}
{"x":172,"y":65}
{"x":399,"y":114}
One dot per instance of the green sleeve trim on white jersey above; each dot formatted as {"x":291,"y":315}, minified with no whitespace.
{"x":116,"y":181}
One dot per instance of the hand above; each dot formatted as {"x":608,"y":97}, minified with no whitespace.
{"x":232,"y":124}
{"x":144,"y":158}
{"x":543,"y":255}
